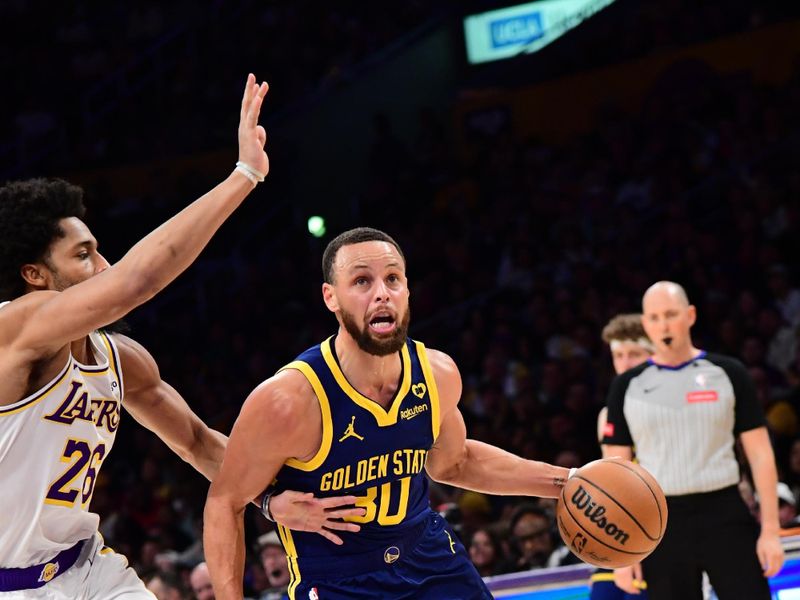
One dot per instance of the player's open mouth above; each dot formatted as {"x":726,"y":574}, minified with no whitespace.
{"x":382,"y":323}
{"x":667,"y":341}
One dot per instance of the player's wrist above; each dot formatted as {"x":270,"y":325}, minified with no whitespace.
{"x":253,"y":174}
{"x":770,"y":528}
{"x":265,"y":505}
{"x":563,"y":475}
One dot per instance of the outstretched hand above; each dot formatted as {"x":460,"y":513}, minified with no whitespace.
{"x":303,"y":512}
{"x":253,"y":136}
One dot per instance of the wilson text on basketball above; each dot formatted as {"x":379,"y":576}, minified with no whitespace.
{"x":596,"y":513}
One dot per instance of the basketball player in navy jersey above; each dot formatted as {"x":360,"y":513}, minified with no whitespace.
{"x":63,"y":380}
{"x":366,"y":412}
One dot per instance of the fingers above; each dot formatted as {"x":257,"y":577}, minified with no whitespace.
{"x":261,"y":135}
{"x":255,"y":106}
{"x":637,"y":572}
{"x":771,"y":564}
{"x":345,"y":512}
{"x":251,"y":101}
{"x":329,"y":535}
{"x":342,"y":526}
{"x":248,"y":94}
{"x":336,"y":501}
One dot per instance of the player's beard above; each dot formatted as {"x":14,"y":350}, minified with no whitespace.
{"x":377,"y":346}
{"x":61,"y":283}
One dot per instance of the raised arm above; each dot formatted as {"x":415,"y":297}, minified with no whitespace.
{"x":473,"y":465}
{"x":43,"y":322}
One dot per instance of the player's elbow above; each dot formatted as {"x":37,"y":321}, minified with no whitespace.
{"x":202,"y":449}
{"x":141,"y":289}
{"x":444,"y":471}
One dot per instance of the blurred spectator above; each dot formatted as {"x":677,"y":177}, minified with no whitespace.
{"x":276,"y":566}
{"x":166,"y":586}
{"x":532,"y":534}
{"x":787,"y":507}
{"x":200,"y":581}
{"x":486,"y":552}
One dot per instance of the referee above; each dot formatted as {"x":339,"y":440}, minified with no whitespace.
{"x":683,"y":409}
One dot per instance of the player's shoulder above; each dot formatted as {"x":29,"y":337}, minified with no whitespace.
{"x":728,"y":363}
{"x":138,"y":366}
{"x":621,"y":382}
{"x":127,"y":346}
{"x":442,"y":364}
{"x":440,"y":359}
{"x":284,"y":398}
{"x":16,"y":313}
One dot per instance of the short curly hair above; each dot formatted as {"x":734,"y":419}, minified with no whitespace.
{"x":624,"y":328}
{"x":30,"y":212}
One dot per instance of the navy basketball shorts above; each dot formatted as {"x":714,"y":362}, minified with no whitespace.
{"x":434,"y":565}
{"x":604,"y":588}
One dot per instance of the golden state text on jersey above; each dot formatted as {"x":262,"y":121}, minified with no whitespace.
{"x":373,"y":453}
{"x":52,"y":445}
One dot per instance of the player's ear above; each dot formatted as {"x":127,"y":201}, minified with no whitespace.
{"x":692,"y":312}
{"x":329,"y":297}
{"x":34,"y":275}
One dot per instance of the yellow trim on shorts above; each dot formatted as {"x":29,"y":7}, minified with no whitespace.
{"x":382,"y":416}
{"x":433,"y":391}
{"x":291,"y":556}
{"x":327,"y":421}
{"x":601,"y":577}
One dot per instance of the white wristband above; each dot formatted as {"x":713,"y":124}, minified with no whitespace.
{"x":247,"y":174}
{"x":252,"y":174}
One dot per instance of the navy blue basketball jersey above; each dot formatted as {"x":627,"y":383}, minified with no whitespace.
{"x":374,"y":453}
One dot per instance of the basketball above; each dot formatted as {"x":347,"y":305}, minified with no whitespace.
{"x":611,"y":513}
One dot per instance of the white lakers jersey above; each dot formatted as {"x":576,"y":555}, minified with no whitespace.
{"x":52,"y":445}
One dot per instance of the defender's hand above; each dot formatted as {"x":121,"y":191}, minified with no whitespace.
{"x":252,"y":136}
{"x":629,"y":579}
{"x":303,"y":512}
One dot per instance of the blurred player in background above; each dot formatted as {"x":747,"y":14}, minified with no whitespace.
{"x":630,"y":347}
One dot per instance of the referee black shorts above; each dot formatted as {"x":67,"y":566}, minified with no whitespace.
{"x":712,"y":532}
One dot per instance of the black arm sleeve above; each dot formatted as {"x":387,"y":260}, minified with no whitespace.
{"x":748,"y":412}
{"x":616,"y":432}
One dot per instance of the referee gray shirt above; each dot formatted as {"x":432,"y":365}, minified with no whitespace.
{"x":683,"y":420}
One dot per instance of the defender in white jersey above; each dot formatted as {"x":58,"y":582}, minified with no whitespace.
{"x":63,"y":382}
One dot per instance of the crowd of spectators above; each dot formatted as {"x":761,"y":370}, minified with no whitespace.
{"x":517,"y":257}
{"x":86,"y":62}
{"x":173,"y":59}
